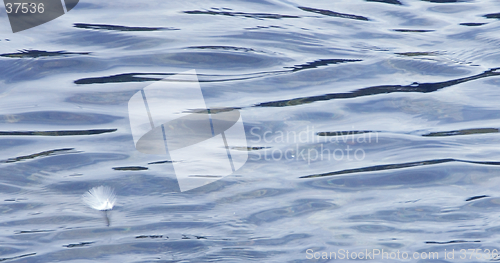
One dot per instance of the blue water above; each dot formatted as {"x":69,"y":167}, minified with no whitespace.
{"x":371,"y":125}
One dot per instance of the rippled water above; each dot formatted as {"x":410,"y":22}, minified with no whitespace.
{"x":370,"y":125}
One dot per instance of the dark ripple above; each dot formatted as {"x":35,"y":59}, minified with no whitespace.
{"x":17,"y":257}
{"x":415,"y":54}
{"x":57,"y":118}
{"x":161,"y":162}
{"x":385,"y":89}
{"x":130,"y":168}
{"x":398,"y":166}
{"x":40,"y":53}
{"x":209,"y":60}
{"x":299,"y":208}
{"x":263,"y":27}
{"x":334,"y":14}
{"x":394,"y":2}
{"x":472,"y":24}
{"x":343,"y":133}
{"x":495,"y":15}
{"x":81,"y":244}
{"x":133,"y":230}
{"x":253,"y":148}
{"x":451,"y":242}
{"x":321,"y":62}
{"x":137,"y":77}
{"x":37,"y":155}
{"x":230,"y":48}
{"x":32,"y":232}
{"x":119,"y":28}
{"x":126,"y":77}
{"x":445,"y":1}
{"x":241,"y":14}
{"x":57,"y":133}
{"x":476,"y":197}
{"x":462,"y":132}
{"x":413,"y":30}
{"x":58,"y":163}
{"x":150,"y":236}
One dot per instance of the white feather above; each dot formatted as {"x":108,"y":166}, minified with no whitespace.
{"x":100,"y":198}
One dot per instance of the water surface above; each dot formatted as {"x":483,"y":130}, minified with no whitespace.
{"x":370,"y":125}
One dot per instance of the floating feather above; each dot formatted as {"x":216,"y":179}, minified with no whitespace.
{"x":101,"y":198}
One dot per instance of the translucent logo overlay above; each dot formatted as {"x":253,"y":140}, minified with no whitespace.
{"x":24,"y":14}
{"x":170,"y":117}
